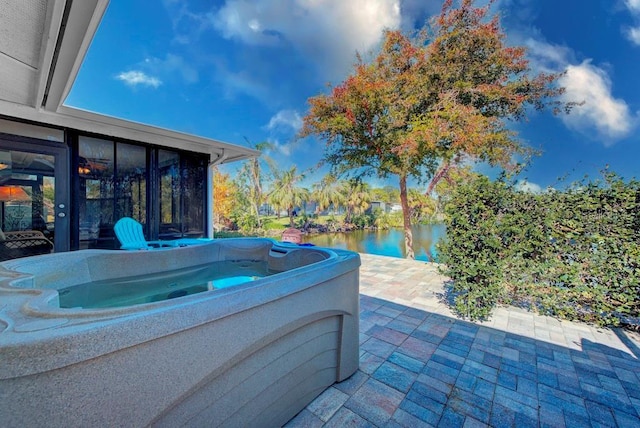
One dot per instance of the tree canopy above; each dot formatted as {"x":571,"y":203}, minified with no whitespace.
{"x":251,"y":179}
{"x":430,"y":99}
{"x":329,"y":192}
{"x":223,"y":196}
{"x":287,"y":193}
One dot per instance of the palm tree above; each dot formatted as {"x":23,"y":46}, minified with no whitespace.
{"x":358,"y":197}
{"x":252,"y":177}
{"x":422,"y":206}
{"x":329,"y":192}
{"x":286,"y":193}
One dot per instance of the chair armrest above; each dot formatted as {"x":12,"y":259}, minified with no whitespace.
{"x":163,"y":243}
{"x":183,"y":242}
{"x":147,"y":245}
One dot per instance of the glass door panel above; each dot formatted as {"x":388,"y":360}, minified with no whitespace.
{"x":96,"y":199}
{"x":182,"y":195}
{"x":33,"y":215}
{"x":170,"y":212}
{"x":131,"y":182}
{"x":194,"y":193}
{"x":112,"y":178}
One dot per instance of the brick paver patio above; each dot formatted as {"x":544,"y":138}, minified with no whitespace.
{"x":421,"y":366}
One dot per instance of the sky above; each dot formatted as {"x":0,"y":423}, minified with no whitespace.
{"x":241,"y":71}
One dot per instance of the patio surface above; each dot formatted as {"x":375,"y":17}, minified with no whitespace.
{"x":421,"y":366}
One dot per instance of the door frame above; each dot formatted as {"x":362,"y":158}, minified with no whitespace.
{"x":62,"y":175}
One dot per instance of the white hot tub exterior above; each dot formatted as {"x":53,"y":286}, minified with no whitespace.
{"x":251,"y":355}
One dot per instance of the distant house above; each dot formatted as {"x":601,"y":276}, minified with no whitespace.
{"x":376,"y":206}
{"x":309,"y":207}
{"x":383,"y":207}
{"x":74,"y":173}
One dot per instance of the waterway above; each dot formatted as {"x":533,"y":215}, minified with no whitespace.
{"x":385,"y":242}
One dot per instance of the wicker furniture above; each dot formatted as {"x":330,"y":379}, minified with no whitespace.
{"x":23,"y":243}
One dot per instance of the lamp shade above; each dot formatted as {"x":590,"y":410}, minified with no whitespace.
{"x":13,"y":193}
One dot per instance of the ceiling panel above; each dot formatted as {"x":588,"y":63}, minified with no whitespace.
{"x":21,"y":28}
{"x":17,"y":81}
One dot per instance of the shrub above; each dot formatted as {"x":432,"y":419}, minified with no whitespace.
{"x":572,"y":254}
{"x":363,"y":220}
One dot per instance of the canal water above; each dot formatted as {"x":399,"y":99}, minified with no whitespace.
{"x":385,"y":242}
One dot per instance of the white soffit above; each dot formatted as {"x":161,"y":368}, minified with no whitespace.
{"x":22,"y":25}
{"x":42,"y":46}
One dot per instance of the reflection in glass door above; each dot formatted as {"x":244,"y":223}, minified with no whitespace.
{"x":112,"y":179}
{"x":31,"y":214}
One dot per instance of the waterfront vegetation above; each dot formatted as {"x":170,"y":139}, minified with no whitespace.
{"x":429,"y":101}
{"x":572,"y":253}
{"x":428,"y":108}
{"x":239,"y":221}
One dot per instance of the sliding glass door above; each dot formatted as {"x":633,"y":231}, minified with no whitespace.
{"x":34,"y":197}
{"x":164,"y":190}
{"x":182,"y":195}
{"x":112,"y":180}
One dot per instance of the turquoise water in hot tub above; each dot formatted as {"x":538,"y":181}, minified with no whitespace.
{"x":162,"y":286}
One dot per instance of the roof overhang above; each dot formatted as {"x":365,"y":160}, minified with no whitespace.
{"x":42,"y":46}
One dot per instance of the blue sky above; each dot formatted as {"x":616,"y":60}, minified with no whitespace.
{"x":242,"y":70}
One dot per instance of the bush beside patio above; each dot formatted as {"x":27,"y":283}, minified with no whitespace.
{"x":573,"y":254}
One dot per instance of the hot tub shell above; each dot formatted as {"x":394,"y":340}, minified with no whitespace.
{"x":251,"y":355}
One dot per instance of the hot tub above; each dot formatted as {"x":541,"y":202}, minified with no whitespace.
{"x":250,"y":354}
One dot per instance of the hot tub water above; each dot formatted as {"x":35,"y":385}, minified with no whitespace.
{"x":119,"y":292}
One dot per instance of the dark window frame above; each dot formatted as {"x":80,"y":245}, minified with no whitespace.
{"x":63,"y":189}
{"x":153,"y":186}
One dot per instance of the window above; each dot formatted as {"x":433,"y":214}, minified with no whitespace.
{"x":27,"y":187}
{"x":131,"y":182}
{"x":96,"y":167}
{"x":182,"y":194}
{"x":118,"y":180}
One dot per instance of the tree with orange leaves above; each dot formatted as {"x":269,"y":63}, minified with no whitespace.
{"x":426,"y":101}
{"x":223,"y":197}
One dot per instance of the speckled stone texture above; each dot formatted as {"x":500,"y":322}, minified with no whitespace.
{"x":250,"y":355}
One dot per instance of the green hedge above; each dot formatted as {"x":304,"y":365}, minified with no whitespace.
{"x":574,"y":254}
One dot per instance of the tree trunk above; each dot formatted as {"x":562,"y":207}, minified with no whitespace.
{"x":256,"y":210}
{"x":406,"y":217}
{"x":443,"y":172}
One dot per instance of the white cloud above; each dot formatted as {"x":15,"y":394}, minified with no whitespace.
{"x":154,"y":71}
{"x":547,"y":57}
{"x":601,"y":115}
{"x":283,"y":126}
{"x":327,"y":32}
{"x":172,"y":64}
{"x":609,"y":116}
{"x":135,"y":78}
{"x":285,"y":119}
{"x":633,"y":33}
{"x":633,"y":5}
{"x":281,"y":148}
{"x":187,"y":25}
{"x":527,"y":186}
